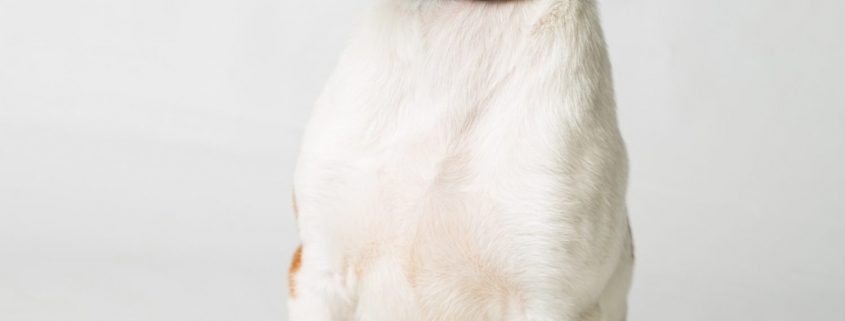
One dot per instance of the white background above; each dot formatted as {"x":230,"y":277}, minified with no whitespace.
{"x":147,"y":147}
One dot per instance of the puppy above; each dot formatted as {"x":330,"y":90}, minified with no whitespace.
{"x":464,"y":163}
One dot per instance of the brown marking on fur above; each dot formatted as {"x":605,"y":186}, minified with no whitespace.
{"x":295,"y":264}
{"x":364,"y":259}
{"x":345,"y":269}
{"x":295,"y":206}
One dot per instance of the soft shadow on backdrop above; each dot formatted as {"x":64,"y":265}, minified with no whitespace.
{"x":147,"y":147}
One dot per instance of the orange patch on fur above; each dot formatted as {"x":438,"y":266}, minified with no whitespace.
{"x":295,"y":263}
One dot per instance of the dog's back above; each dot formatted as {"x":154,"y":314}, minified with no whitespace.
{"x":464,"y":163}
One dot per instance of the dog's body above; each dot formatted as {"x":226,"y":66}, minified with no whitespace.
{"x":464,"y":163}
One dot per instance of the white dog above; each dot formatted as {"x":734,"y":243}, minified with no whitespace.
{"x":464,"y":163}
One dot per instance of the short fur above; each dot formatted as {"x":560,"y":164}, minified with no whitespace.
{"x":464,"y":163}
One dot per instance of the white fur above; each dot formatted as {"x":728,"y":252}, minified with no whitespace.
{"x":464,"y":163}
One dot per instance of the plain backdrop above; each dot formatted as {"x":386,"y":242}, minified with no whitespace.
{"x":147,"y":149}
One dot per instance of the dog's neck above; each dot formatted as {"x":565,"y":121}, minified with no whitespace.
{"x":452,"y":55}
